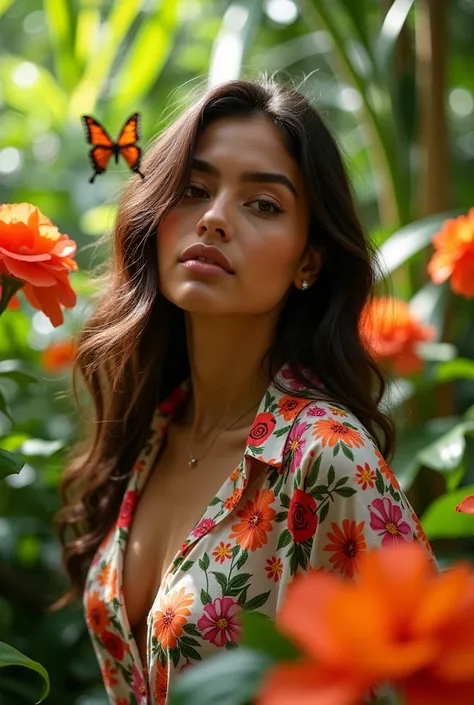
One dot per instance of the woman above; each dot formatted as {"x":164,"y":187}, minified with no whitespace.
{"x":237,"y":439}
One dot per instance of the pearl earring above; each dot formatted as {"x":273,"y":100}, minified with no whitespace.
{"x":304,"y":285}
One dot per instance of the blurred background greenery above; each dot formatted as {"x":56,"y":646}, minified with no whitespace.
{"x":394,"y":80}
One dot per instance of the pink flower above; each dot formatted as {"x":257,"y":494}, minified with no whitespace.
{"x":316,"y":411}
{"x":296,"y":443}
{"x":204,"y":526}
{"x":138,"y":685}
{"x":219,"y":623}
{"x":292,"y":382}
{"x":385,"y":517}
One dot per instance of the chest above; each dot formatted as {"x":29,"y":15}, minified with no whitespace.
{"x":171,"y":503}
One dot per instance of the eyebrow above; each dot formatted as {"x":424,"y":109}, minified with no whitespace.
{"x":248,"y":176}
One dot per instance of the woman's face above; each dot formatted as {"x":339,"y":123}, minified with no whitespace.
{"x":246,"y":197}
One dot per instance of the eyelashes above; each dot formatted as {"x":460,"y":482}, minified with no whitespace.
{"x":268,"y":202}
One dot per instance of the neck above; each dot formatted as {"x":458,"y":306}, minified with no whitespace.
{"x":225,"y":360}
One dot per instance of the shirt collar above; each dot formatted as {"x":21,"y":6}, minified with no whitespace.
{"x":274,"y":418}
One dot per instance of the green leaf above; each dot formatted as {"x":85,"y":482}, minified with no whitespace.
{"x":59,"y":21}
{"x":257,"y":601}
{"x":190,"y":628}
{"x":460,"y":368}
{"x":281,"y":516}
{"x":284,"y":540}
{"x":4,"y":407}
{"x":391,"y":28}
{"x":11,"y":657}
{"x":238,"y":581}
{"x":10,"y":463}
{"x":331,"y":475}
{"x":204,"y":562}
{"x":260,"y":634}
{"x":313,"y":474}
{"x":232,"y":677}
{"x":379,"y":482}
{"x":242,"y":559}
{"x":187,"y":565}
{"x":442,"y":521}
{"x":324,"y":511}
{"x":345,"y":491}
{"x":445,"y":454}
{"x":221,"y":579}
{"x":4,"y":5}
{"x":410,"y":239}
{"x":284,"y":500}
{"x":206,"y":599}
{"x":347,"y":451}
{"x":153,"y":40}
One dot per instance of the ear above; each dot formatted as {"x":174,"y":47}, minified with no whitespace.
{"x":310,"y":266}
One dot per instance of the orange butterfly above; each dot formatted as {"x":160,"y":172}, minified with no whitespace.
{"x":104,"y":147}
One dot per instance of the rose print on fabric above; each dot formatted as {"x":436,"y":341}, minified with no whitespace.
{"x":169,"y":620}
{"x":296,"y":444}
{"x":386,"y":518}
{"x":256,"y":521}
{"x":204,"y":526}
{"x":114,"y":644}
{"x":126,"y":510}
{"x":347,"y":544}
{"x":274,"y":568}
{"x":219,"y":623}
{"x":261,"y":429}
{"x":302,"y":516}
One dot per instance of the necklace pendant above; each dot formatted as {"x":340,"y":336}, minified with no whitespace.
{"x":192,"y":461}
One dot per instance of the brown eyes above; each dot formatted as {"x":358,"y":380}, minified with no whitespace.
{"x":269,"y":206}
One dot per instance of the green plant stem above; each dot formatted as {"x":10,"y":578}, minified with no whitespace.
{"x":10,"y":285}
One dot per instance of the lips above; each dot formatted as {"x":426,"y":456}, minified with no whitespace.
{"x":210,"y":253}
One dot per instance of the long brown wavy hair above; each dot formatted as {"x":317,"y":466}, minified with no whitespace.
{"x":132,"y":351}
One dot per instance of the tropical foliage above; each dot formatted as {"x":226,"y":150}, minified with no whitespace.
{"x":392,"y":78}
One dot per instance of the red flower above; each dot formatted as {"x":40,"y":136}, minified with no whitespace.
{"x":114,"y":645}
{"x":126,"y":510}
{"x":466,"y":505}
{"x":261,"y":429}
{"x":33,"y":251}
{"x":58,"y":355}
{"x":302,"y":516}
{"x":454,"y":256}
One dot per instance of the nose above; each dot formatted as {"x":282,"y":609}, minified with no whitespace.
{"x":214,"y":222}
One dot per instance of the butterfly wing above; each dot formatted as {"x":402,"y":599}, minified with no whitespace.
{"x":129,"y":135}
{"x":103,"y":147}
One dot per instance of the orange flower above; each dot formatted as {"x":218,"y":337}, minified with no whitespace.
{"x":109,"y":674}
{"x":103,"y":575}
{"x":347,"y":546}
{"x":399,"y":622}
{"x":390,"y":332}
{"x":96,"y":613}
{"x":33,"y":251}
{"x":222,"y":552}
{"x":386,"y":470}
{"x":331,"y":432}
{"x":420,"y":534}
{"x":161,"y":683}
{"x":233,"y":500}
{"x":454,"y":256}
{"x":290,"y":406}
{"x":58,"y":355}
{"x":169,"y":620}
{"x":274,"y":568}
{"x":466,"y":505}
{"x":111,"y":588}
{"x":256,"y":521}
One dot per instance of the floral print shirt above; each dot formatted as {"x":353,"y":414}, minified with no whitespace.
{"x":327,"y":495}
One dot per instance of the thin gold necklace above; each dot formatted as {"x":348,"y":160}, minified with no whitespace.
{"x":193,"y":461}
